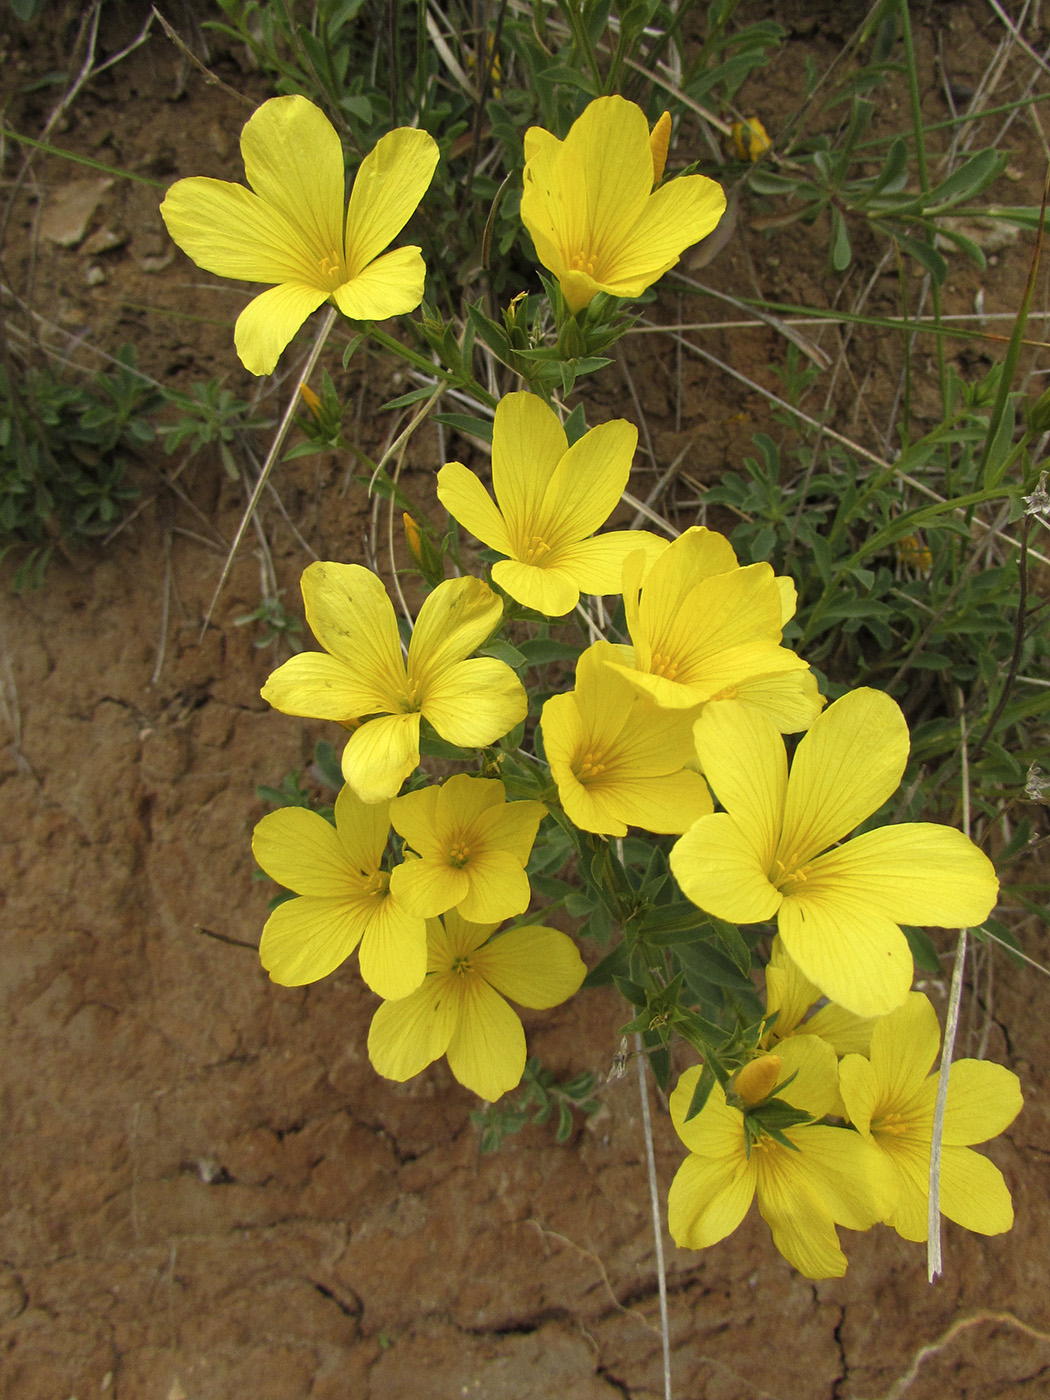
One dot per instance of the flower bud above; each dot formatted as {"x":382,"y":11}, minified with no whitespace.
{"x":757,"y":1080}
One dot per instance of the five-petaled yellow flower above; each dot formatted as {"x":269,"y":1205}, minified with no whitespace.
{"x":344,"y":899}
{"x":590,"y":206}
{"x":363,"y":675}
{"x":460,"y":1011}
{"x":838,"y":911}
{"x":828,"y":1176}
{"x":890,"y":1099}
{"x":550,"y":499}
{"x":288,"y":228}
{"x":703,"y":628}
{"x":472,"y":846}
{"x":617,"y":758}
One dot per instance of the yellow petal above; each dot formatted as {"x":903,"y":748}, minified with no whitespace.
{"x":407,"y":1035}
{"x":466,"y":500}
{"x":790,"y":699}
{"x":675,"y":217}
{"x":854,"y":954}
{"x":316,"y":684}
{"x":228,"y":230}
{"x":513,"y":827}
{"x":709,"y":1198}
{"x":854,"y":1180}
{"x":597,"y":564}
{"x":428,"y":888}
{"x":352,"y":617}
{"x":267,"y":324}
{"x":454,"y":620}
{"x":528,"y":442}
{"x":294,"y":161}
{"x":534,"y":966}
{"x":717,"y":867}
{"x":587,"y":484}
{"x":389,"y":184}
{"x":306,"y":939}
{"x":815,"y":1066}
{"x":904,"y":1046}
{"x":845,"y":1033}
{"x":302,"y":852}
{"x":552,"y":592}
{"x":499,"y":888}
{"x":667,"y":805}
{"x":744,"y":760}
{"x":851,"y":760}
{"x":659,"y":140}
{"x":487,"y":1049}
{"x":717,"y":1131}
{"x":973,"y":1192}
{"x":363,"y":829}
{"x":983,"y":1099}
{"x":917,"y":873}
{"x":381,"y":755}
{"x":803,"y":1230}
{"x":392,"y":285}
{"x":393,"y":954}
{"x":860,"y":1091}
{"x":476,"y":702}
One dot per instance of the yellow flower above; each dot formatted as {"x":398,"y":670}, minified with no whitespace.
{"x":890,"y":1099}
{"x":827,"y":1176}
{"x":459,"y":1011}
{"x":550,"y":499}
{"x":288,"y":228}
{"x":750,"y":139}
{"x":838,"y":913}
{"x":617,"y":758}
{"x":345,"y":899}
{"x":364,"y":675}
{"x":589,"y":204}
{"x":703,"y":628}
{"x":472,"y":846}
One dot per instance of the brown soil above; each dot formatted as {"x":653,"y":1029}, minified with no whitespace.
{"x":207,"y":1193}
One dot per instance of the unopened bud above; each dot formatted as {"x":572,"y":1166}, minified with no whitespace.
{"x":659,"y":140}
{"x":311,"y":400}
{"x":750,"y":139}
{"x":757,"y":1080}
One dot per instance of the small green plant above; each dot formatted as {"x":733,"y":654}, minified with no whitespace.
{"x":276,"y":621}
{"x":539,"y":1100}
{"x":65,"y":449}
{"x":210,"y":415}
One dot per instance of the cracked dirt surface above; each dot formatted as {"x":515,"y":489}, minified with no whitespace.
{"x":205,"y":1192}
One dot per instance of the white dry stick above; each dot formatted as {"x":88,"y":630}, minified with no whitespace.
{"x":271,"y":457}
{"x":951,"y":1025}
{"x":654,"y":1201}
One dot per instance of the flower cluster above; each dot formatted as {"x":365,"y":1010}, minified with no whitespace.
{"x":674,"y":725}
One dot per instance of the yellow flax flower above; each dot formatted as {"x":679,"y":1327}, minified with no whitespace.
{"x":750,"y":139}
{"x":617,"y":758}
{"x":344,"y":899}
{"x":363,"y":675}
{"x":472,"y":846}
{"x":890,"y":1099}
{"x":828,"y":1176}
{"x":460,"y":1011}
{"x":838,"y":913}
{"x":589,"y":203}
{"x":703,"y":628}
{"x":550,"y":499}
{"x":288,"y":229}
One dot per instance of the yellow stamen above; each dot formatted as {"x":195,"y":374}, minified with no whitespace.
{"x":665,"y":666}
{"x":458,"y":855}
{"x":536,"y":548}
{"x":588,"y":767}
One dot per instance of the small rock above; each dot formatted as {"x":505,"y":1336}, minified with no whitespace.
{"x":104,"y":241}
{"x":69,"y":209}
{"x":94,"y":276}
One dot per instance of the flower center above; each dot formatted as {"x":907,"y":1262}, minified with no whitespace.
{"x":788,"y":875}
{"x":665,"y":666}
{"x":461,"y":966}
{"x":459,"y":855}
{"x":588,"y":767}
{"x":332,"y":270}
{"x":582,"y":262}
{"x":535,"y":549}
{"x":893,"y":1123}
{"x":377,"y":885}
